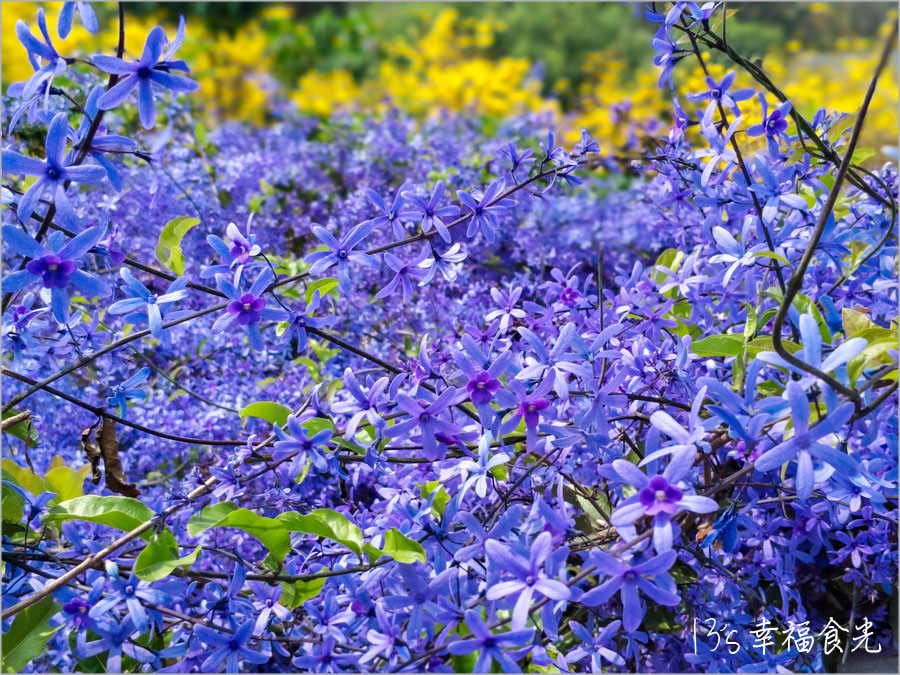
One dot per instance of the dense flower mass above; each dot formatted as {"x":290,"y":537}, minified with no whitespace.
{"x":640,"y":411}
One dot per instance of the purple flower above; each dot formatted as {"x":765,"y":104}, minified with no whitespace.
{"x":476,"y":473}
{"x":238,"y":251}
{"x":52,"y":173}
{"x":482,"y":387}
{"x":805,"y":442}
{"x":131,"y":592}
{"x":341,"y":253}
{"x":56,"y":267}
{"x":774,"y":126}
{"x":229,"y":648}
{"x":629,"y":579}
{"x":775,"y":189}
{"x":431,"y":213}
{"x":127,"y":390}
{"x":587,"y":145}
{"x":385,"y":641}
{"x":446,"y":262}
{"x":490,"y":645}
{"x":247,"y":308}
{"x":687,"y":441}
{"x":720,"y":150}
{"x":658,"y":497}
{"x":720,"y":93}
{"x":530,"y":580}
{"x":425,"y":415}
{"x":78,"y":609}
{"x":266,"y":603}
{"x":390,"y":215}
{"x":668,"y":53}
{"x":595,"y":647}
{"x":811,"y":339}
{"x":299,"y":321}
{"x":405,"y":274}
{"x":144,"y":305}
{"x":115,"y":638}
{"x":142,"y":74}
{"x":528,"y":407}
{"x":508,"y":311}
{"x":102,"y":141}
{"x":37,"y":50}
{"x":517,"y":159}
{"x":363,"y":404}
{"x":484,"y":211}
{"x":296,"y":442}
{"x":67,"y":13}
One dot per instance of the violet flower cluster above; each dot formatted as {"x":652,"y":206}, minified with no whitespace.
{"x":631,"y":400}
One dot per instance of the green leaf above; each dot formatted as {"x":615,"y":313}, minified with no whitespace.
{"x":325,"y":523}
{"x":26,"y":478}
{"x":373,"y":553}
{"x":123,"y":513}
{"x":24,"y":430}
{"x":209,"y":517}
{"x":28,"y":635}
{"x":269,"y":531}
{"x":168,"y":250}
{"x":860,"y":155}
{"x":160,"y":557}
{"x":730,"y":344}
{"x":13,"y":503}
{"x":773,"y":256}
{"x":270,"y":411}
{"x":764,"y":343}
{"x":65,"y":482}
{"x":670,"y":258}
{"x":855,"y":322}
{"x":805,"y":306}
{"x":401,"y":548}
{"x":750,"y":323}
{"x":441,"y":497}
{"x":295,"y":594}
{"x":322,"y":285}
{"x":881,"y":341}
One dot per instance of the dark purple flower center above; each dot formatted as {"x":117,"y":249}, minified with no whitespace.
{"x":659,"y":496}
{"x":143,"y":72}
{"x":129,"y":590}
{"x":239,"y":251}
{"x":53,"y":270}
{"x":342,"y":254}
{"x":247,"y":309}
{"x":53,"y":172}
{"x":569,"y":296}
{"x":482,"y":387}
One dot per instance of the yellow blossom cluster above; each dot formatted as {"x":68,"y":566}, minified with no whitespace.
{"x":232,"y":70}
{"x":445,"y":69}
{"x":449,"y":68}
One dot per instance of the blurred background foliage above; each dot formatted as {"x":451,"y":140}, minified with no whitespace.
{"x":586,"y":64}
